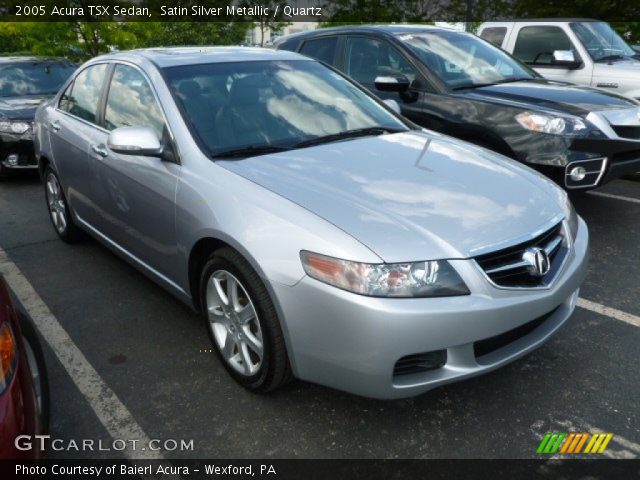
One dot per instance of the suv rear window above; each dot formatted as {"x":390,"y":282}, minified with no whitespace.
{"x":323,"y":49}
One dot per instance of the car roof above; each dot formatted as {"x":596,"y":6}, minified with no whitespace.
{"x":176,"y":56}
{"x":549,"y":20}
{"x":391,"y":29}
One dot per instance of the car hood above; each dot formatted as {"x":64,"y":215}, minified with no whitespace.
{"x":411,"y":196}
{"x":21,"y":108}
{"x":558,"y":96}
{"x":628,"y":69}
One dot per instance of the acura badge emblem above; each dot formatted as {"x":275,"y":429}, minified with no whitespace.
{"x":537,"y":260}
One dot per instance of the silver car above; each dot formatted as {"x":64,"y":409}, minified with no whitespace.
{"x":321,"y":235}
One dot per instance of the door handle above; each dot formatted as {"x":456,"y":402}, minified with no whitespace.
{"x":100,"y":150}
{"x":55,"y":125}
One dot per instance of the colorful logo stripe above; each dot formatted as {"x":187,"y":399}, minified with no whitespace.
{"x":564,"y":443}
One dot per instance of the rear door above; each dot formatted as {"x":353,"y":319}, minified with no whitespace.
{"x":71,"y":125}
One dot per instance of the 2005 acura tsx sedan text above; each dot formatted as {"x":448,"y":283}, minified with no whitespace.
{"x":322,"y":236}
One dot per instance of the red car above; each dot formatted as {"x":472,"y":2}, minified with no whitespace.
{"x":24,"y":392}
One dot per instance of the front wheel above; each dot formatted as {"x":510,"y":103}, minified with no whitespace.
{"x":242,"y":322}
{"x":59,"y":212}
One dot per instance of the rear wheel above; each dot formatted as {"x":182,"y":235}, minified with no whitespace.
{"x":242,"y":322}
{"x":59,"y":212}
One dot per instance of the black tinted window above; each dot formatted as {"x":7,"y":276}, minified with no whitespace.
{"x":535,"y":45}
{"x":33,"y":78}
{"x":323,"y":49}
{"x":368,"y":58}
{"x":494,"y":35}
{"x":85,"y":93}
{"x":131,"y":102}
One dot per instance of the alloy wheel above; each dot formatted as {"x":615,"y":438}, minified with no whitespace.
{"x":234,"y":323}
{"x":57,"y":206}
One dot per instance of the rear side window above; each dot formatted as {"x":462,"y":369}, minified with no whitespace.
{"x":535,"y":45}
{"x":131,"y":102}
{"x":82,"y":101}
{"x":494,"y":35}
{"x":323,"y":49}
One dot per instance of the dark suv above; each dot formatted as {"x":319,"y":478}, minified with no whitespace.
{"x":461,"y":85}
{"x":25,"y":82}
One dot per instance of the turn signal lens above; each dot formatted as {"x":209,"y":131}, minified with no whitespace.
{"x":8,"y":355}
{"x":434,"y":278}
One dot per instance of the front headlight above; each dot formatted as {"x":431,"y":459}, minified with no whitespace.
{"x":552,"y":124}
{"x":17,"y":128}
{"x":435,"y":278}
{"x":571,"y":217}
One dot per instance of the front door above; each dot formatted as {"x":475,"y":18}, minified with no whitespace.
{"x":138,"y":191}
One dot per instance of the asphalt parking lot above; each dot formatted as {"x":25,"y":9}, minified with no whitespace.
{"x":148,"y":349}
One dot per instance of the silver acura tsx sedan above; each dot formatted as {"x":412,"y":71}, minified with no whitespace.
{"x":321,"y":235}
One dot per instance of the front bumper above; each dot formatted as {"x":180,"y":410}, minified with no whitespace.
{"x":604,"y":158}
{"x":352,"y":343}
{"x":17,"y":153}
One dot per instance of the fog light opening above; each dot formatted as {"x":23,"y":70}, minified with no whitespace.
{"x":577,"y":174}
{"x":12,"y":160}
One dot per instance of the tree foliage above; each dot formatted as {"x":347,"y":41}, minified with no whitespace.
{"x":80,"y":40}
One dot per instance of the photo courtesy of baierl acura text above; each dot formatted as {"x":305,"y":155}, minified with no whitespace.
{"x":319,"y":239}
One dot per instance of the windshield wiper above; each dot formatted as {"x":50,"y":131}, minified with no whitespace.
{"x":334,"y":137}
{"x":251,"y":151}
{"x":490,"y":84}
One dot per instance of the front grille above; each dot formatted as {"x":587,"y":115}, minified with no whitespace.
{"x":491,"y":344}
{"x":508,"y":267}
{"x":420,"y":362}
{"x":627,"y":131}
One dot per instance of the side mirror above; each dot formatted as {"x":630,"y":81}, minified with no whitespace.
{"x":566,"y":58}
{"x":135,"y":141}
{"x":395,"y":83}
{"x":393,"y":105}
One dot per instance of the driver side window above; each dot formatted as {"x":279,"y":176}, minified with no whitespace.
{"x":131,"y":102}
{"x":535,"y":45}
{"x":367,"y":58}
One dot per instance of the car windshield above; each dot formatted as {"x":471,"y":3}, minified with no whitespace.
{"x":462,"y":60}
{"x":33,"y":78}
{"x":601,"y":41}
{"x":262,"y":106}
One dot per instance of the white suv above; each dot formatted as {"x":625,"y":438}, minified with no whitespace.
{"x":585,"y":52}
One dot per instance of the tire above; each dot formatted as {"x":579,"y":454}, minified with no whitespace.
{"x":260,"y":374}
{"x":36,"y":361}
{"x":58,"y":208}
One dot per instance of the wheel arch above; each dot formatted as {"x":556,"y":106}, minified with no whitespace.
{"x":198,"y":254}
{"x":43,"y":163}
